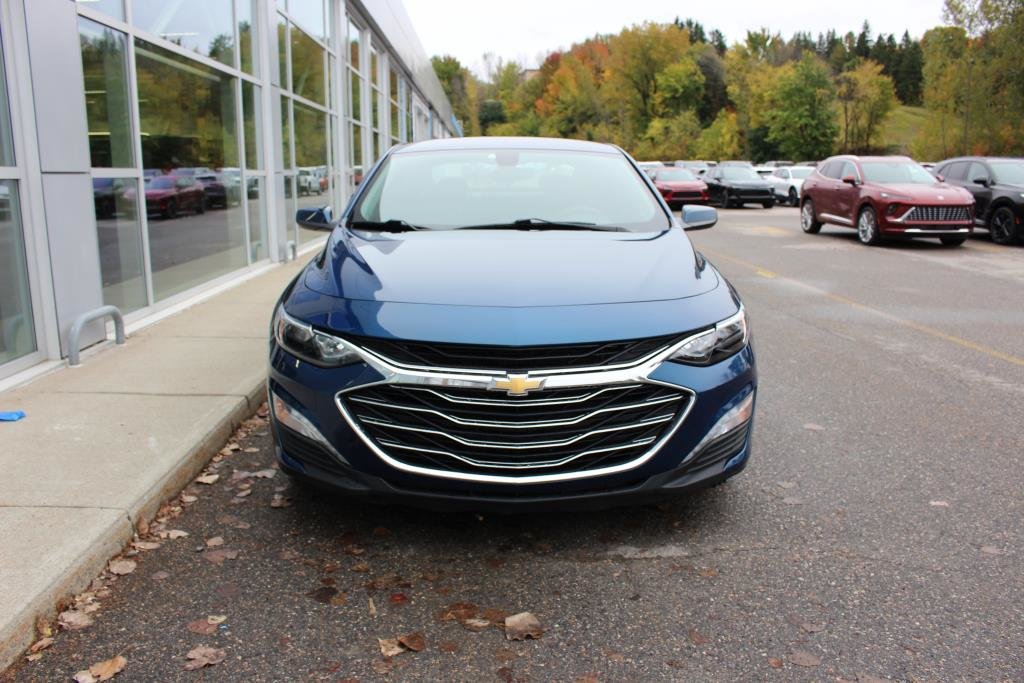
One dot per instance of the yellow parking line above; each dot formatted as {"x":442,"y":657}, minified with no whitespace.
{"x":909,"y":324}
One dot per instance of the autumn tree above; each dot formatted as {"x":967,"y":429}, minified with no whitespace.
{"x":801,"y":116}
{"x":866,"y":97}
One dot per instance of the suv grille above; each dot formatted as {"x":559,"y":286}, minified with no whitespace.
{"x":501,"y":359}
{"x":932,"y":214}
{"x":480,"y":431}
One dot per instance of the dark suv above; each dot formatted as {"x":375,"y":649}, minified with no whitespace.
{"x":998,"y":188}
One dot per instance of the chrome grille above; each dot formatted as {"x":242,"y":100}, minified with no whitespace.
{"x":934,"y":214}
{"x":553,"y":431}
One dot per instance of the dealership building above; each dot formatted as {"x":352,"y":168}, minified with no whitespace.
{"x":154,"y":151}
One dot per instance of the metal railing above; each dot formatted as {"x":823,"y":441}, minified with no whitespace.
{"x":82,"y":320}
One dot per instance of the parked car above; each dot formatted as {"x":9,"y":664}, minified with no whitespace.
{"x":885,"y":197}
{"x":594,"y":359}
{"x":215,"y":190}
{"x":680,"y":186}
{"x":169,"y":195}
{"x":308,"y":181}
{"x":786,"y":183}
{"x":997,"y":185}
{"x":105,"y":192}
{"x":736,"y":162}
{"x":697,"y":167}
{"x":764,"y":171}
{"x":736,"y":184}
{"x":649,"y":167}
{"x":777,"y":164}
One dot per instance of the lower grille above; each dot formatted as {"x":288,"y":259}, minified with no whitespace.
{"x":683,"y":196}
{"x":479,"y":431}
{"x":307,"y":451}
{"x":720,"y":449}
{"x":931,"y":214}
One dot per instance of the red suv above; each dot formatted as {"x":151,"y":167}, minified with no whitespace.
{"x":680,"y":186}
{"x":885,"y":197}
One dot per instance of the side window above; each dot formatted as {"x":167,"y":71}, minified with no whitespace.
{"x":954,"y":171}
{"x":779,"y":174}
{"x":975,"y":171}
{"x":831,"y":169}
{"x":848,"y":169}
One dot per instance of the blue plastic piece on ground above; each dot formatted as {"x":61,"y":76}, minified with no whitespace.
{"x":11,"y":416}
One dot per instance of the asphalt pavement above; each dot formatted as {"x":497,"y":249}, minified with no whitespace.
{"x":876,"y":534}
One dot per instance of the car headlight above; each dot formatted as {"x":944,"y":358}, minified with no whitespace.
{"x":711,"y":346}
{"x":311,"y":345}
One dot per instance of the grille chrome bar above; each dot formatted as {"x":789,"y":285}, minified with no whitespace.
{"x":936,"y":214}
{"x":531,"y":401}
{"x":527,"y":465}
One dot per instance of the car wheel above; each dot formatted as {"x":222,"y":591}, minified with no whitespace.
{"x":767,"y":205}
{"x":1001,"y":226}
{"x":867,"y":227}
{"x":794,"y":198}
{"x":201,"y":206}
{"x":172,"y":209}
{"x":809,"y":223}
{"x":952,"y":241}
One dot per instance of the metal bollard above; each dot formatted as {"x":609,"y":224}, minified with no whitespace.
{"x":80,"y":322}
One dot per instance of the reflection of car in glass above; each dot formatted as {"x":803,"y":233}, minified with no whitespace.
{"x":885,"y":197}
{"x":736,"y":184}
{"x":218,"y":189}
{"x":998,"y":188}
{"x":308,"y":182}
{"x":613,"y":365}
{"x":105,"y":192}
{"x":649,"y":167}
{"x":680,"y":186}
{"x":169,"y":195}
{"x":787,"y":182}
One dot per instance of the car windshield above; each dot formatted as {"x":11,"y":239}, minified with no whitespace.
{"x":800,"y":173}
{"x":1009,"y":172}
{"x":161,"y":183}
{"x":896,"y":172}
{"x":675,"y":174}
{"x":739,"y":173}
{"x":472,"y":187}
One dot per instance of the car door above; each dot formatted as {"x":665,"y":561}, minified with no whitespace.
{"x":978,"y":171}
{"x":825,"y":190}
{"x":713,"y":180}
{"x":845,"y":196}
{"x":778,"y":180}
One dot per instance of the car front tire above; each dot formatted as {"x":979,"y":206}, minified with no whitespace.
{"x":867,"y":227}
{"x":1001,"y":226}
{"x":794,"y":198}
{"x":809,"y":223}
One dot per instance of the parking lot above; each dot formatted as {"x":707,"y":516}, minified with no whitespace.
{"x":876,"y":533}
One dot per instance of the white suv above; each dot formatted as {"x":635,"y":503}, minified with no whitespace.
{"x":787,"y":183}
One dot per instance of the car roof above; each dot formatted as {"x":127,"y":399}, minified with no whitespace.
{"x":976,"y":158}
{"x":475,"y":143}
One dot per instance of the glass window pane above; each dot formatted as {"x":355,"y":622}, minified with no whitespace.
{"x":308,"y":67}
{"x":106,"y":95}
{"x":17,"y":331}
{"x":286,"y":133}
{"x":309,"y":14}
{"x":310,"y":137}
{"x":354,"y":39}
{"x":247,"y":37}
{"x":112,"y":8}
{"x":393,"y":84}
{"x":282,"y":51}
{"x":374,"y":109}
{"x":355,"y":97}
{"x":251,"y":124}
{"x":6,"y":141}
{"x":206,"y":26}
{"x":355,"y":151}
{"x":257,"y":219}
{"x":120,"y":239}
{"x":197,"y":230}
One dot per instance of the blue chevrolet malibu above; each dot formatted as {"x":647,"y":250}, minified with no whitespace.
{"x":511,"y":324}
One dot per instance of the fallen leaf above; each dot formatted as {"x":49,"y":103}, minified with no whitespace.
{"x":698,"y":638}
{"x":459,"y":611}
{"x":121,"y":567}
{"x":265,"y":474}
{"x":495,"y":616}
{"x":43,"y":627}
{"x":34,"y":657}
{"x":84,"y":677}
{"x":218,"y":556}
{"x":202,"y":626}
{"x":413,"y":641}
{"x":41,"y":645}
{"x":146,"y":545}
{"x":173,"y":534}
{"x":811,"y":427}
{"x":383,"y":666}
{"x":251,"y":449}
{"x":233,"y":447}
{"x":244,"y":493}
{"x":804,"y":658}
{"x":522,"y":626}
{"x":362,"y":568}
{"x":215,"y":542}
{"x":185,"y":498}
{"x":263,"y":410}
{"x":775,"y":662}
{"x":939,"y":503}
{"x":160,"y":575}
{"x":217,"y":619}
{"x":107,"y":669}
{"x":208,"y":479}
{"x":371,"y":607}
{"x":355,"y":550}
{"x":73,"y":620}
{"x":991,"y":550}
{"x":204,"y":656}
{"x":279,"y":501}
{"x":475,"y":624}
{"x":389,"y":647}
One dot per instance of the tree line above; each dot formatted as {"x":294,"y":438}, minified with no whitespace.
{"x":678,"y":90}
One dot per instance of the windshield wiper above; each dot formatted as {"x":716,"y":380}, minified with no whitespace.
{"x":393,"y":225}
{"x":541,"y":224}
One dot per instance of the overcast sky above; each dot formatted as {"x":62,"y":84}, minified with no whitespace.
{"x":524,"y":29}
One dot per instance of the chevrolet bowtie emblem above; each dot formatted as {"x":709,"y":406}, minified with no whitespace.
{"x":516,"y":385}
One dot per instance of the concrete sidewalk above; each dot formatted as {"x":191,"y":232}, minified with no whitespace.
{"x":106,"y":443}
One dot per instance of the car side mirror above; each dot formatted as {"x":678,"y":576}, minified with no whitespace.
{"x":981,"y":181}
{"x":316,"y":219}
{"x":850,"y":180}
{"x":696,"y":217}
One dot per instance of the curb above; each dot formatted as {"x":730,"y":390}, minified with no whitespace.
{"x":19,"y":632}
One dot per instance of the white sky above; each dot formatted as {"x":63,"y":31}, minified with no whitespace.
{"x":525,"y":29}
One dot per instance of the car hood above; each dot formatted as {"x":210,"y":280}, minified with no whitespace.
{"x":938,"y":193}
{"x":509,"y":268}
{"x":746,"y":184}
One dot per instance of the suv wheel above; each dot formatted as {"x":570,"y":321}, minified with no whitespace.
{"x":1001,"y":226}
{"x":867,"y":227}
{"x":794,"y":199}
{"x":809,"y":223}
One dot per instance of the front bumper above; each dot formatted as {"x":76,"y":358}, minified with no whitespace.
{"x":338,"y":458}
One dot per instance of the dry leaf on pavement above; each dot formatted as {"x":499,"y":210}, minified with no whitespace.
{"x":522,"y":626}
{"x":121,"y":567}
{"x":102,"y":671}
{"x":173,"y":534}
{"x":215,"y":542}
{"x":698,"y":638}
{"x":204,"y":656}
{"x":383,"y":666}
{"x":202,"y":626}
{"x":208,"y":479}
{"x":186,"y":498}
{"x":804,"y":658}
{"x":41,"y":645}
{"x":160,"y":575}
{"x":475,"y":624}
{"x":218,"y":556}
{"x":459,"y":611}
{"x":279,"y":501}
{"x":145,"y":545}
{"x":390,"y":647}
{"x":73,"y":620}
{"x":413,"y":641}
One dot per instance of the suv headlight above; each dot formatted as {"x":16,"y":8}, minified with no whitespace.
{"x":312,"y":346}
{"x":711,"y":346}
